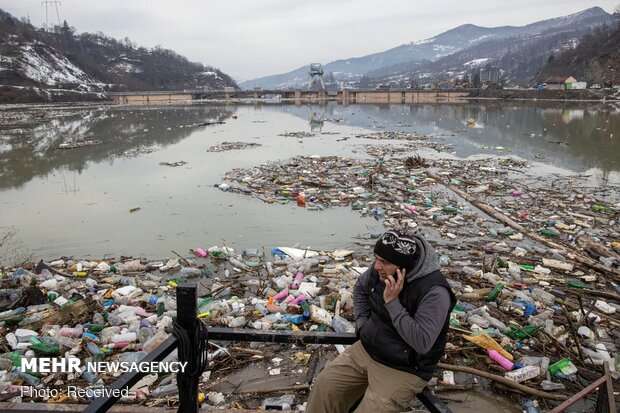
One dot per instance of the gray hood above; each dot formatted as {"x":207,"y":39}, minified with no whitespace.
{"x":428,"y":263}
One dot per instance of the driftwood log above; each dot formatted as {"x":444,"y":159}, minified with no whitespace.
{"x":507,"y":382}
{"x":489,"y":210}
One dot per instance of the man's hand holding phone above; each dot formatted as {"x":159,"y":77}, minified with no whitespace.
{"x":393,"y":287}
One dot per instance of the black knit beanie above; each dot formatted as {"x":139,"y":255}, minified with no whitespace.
{"x":398,"y":248}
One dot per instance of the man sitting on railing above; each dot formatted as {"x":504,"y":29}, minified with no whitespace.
{"x":402,"y":307}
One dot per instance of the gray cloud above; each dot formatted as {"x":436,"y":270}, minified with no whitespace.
{"x":250,"y":38}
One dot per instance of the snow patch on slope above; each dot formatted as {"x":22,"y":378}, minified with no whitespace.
{"x":48,"y":67}
{"x":477,"y":62}
{"x":417,"y":42}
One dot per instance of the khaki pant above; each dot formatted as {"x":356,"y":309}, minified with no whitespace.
{"x":354,"y":374}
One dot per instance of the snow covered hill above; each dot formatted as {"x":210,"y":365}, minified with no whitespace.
{"x":60,"y":65}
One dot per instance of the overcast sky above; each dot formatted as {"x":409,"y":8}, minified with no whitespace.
{"x":253,"y":38}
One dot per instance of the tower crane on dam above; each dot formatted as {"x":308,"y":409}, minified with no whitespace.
{"x":316,"y":72}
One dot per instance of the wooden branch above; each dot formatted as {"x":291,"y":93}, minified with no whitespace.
{"x":489,"y":210}
{"x":602,"y":294}
{"x":294,"y":387}
{"x":181,"y":257}
{"x":504,"y":381}
{"x":573,"y":332}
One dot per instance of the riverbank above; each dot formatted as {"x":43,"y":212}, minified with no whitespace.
{"x":547,"y":94}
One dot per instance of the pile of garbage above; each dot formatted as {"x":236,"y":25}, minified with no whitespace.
{"x":517,"y":316}
{"x":392,"y":135}
{"x":534,"y":263}
{"x":229,"y":146}
{"x":297,"y":134}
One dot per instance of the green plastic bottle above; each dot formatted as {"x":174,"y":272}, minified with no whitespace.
{"x":16,"y":358}
{"x":548,"y":233}
{"x":527,"y":267}
{"x":15,"y":320}
{"x":161,"y":309}
{"x":519,"y":333}
{"x":41,"y":347}
{"x":450,"y":209}
{"x":600,"y":208}
{"x":506,"y":233}
{"x":95,"y":351}
{"x":557,"y":367}
{"x":95,"y":328}
{"x":495,"y":292}
{"x":577,"y":284}
{"x":306,"y":307}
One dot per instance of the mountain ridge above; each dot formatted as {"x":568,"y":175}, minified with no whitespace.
{"x":37,"y":65}
{"x":349,"y":72}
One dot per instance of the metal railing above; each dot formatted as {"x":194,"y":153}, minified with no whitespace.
{"x":186,"y":316}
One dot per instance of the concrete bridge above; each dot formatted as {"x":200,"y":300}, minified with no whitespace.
{"x":344,"y":96}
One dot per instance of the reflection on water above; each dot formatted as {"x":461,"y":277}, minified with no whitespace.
{"x":76,"y":202}
{"x":34,"y":153}
{"x":574,"y":137}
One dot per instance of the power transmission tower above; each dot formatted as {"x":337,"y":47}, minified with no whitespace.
{"x":50,"y":2}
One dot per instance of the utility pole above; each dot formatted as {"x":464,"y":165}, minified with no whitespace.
{"x":50,"y":2}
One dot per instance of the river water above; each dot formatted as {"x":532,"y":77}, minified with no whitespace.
{"x":76,"y":202}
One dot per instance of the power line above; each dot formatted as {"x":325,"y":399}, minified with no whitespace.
{"x":50,"y":2}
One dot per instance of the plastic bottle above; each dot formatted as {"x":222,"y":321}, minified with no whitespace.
{"x":281,"y":295}
{"x":261,"y":309}
{"x":298,"y":278}
{"x":107,"y":333}
{"x":132,"y":356}
{"x":548,"y":232}
{"x":278,"y":403}
{"x":562,"y":366}
{"x":28,"y":378}
{"x":294,"y":319}
{"x":200,"y":252}
{"x":41,"y":347}
{"x":478,"y":320}
{"x":519,"y":333}
{"x":95,"y":328}
{"x":64,"y":341}
{"x":501,"y":360}
{"x":342,"y":325}
{"x":541,"y":362}
{"x":16,"y":358}
{"x":154,"y":342}
{"x":95,"y":351}
{"x":72,"y":332}
{"x":124,"y":337}
{"x":306,"y":309}
{"x":495,"y":292}
{"x":166,"y":390}
{"x":540,"y":318}
{"x":529,"y":406}
{"x":577,"y":284}
{"x":190,"y":272}
{"x":90,"y":376}
{"x":543,"y":296}
{"x":297,"y":301}
{"x":144,"y":334}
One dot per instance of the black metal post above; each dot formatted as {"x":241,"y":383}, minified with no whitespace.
{"x":186,"y":317}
